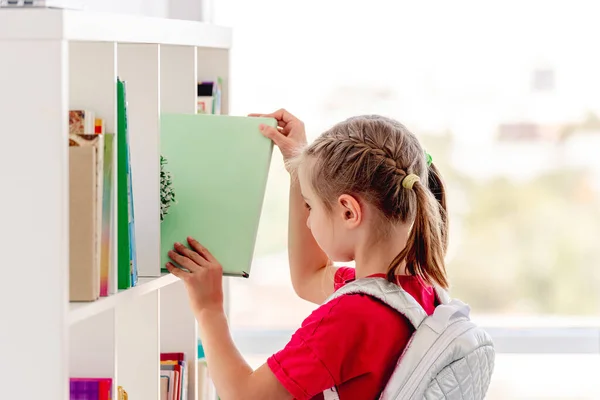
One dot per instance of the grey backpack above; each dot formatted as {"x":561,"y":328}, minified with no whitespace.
{"x":448,"y":356}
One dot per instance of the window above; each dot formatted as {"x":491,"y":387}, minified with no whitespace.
{"x":516,"y":143}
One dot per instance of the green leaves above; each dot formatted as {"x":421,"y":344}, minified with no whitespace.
{"x":167,"y":194}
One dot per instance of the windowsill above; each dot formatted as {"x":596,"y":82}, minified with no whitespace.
{"x":511,"y":335}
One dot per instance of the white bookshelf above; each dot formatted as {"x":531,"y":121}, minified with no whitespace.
{"x":52,"y":61}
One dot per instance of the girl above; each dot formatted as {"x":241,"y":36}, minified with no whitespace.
{"x":364,"y":191}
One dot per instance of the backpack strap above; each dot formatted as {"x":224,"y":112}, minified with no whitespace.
{"x":442,"y":295}
{"x":389,"y":293}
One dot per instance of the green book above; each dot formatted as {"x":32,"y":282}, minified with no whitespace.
{"x":219,"y":167}
{"x":124,"y":260}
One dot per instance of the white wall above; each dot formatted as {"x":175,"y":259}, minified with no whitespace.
{"x":179,"y":9}
{"x":152,"y":8}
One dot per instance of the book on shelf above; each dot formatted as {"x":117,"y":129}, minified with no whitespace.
{"x":107,"y":271}
{"x":94,"y":207}
{"x":173,"y":376}
{"x":86,"y":151}
{"x":219,"y":167}
{"x":209,"y":97}
{"x":127,"y":260}
{"x":90,"y":389}
{"x":84,"y":265}
{"x":82,"y":122}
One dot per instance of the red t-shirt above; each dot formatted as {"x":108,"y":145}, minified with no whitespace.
{"x":352,"y":342}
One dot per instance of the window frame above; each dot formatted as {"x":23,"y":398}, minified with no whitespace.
{"x":566,"y":336}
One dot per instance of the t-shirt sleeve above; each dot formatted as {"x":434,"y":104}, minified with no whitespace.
{"x":318,"y":352}
{"x":343,"y":275}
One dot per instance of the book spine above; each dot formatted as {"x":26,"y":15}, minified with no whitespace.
{"x":124,"y":263}
{"x":106,"y":238}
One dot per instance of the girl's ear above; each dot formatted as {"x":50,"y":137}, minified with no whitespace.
{"x":351,"y":210}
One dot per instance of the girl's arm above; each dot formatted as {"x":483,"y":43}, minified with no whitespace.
{"x":311,"y":271}
{"x":310,"y":268}
{"x":232,"y":376}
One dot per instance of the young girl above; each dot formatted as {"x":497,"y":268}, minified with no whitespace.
{"x":364,"y":191}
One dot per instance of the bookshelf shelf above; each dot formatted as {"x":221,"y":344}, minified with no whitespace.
{"x":79,"y":311}
{"x":72,"y":25}
{"x":54,"y":61}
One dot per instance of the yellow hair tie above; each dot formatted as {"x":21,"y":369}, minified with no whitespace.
{"x":409,"y":180}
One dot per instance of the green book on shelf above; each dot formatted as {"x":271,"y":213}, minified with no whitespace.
{"x":123,"y":256}
{"x":219,"y":167}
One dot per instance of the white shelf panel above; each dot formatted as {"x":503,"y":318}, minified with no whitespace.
{"x":139,"y":67}
{"x":81,"y":311}
{"x":75,"y":25}
{"x":138,"y":348}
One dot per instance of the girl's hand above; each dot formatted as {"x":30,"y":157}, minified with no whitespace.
{"x":289,"y":135}
{"x":204,"y":281}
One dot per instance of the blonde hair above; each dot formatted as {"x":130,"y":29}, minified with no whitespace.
{"x":369,"y":157}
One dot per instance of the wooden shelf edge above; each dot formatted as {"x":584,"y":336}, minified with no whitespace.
{"x":79,"y":311}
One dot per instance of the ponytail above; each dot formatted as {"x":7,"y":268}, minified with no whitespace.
{"x":436,"y":186}
{"x":427,"y":242}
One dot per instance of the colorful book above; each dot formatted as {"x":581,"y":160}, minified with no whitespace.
{"x":176,"y":362}
{"x":106,"y":268}
{"x":132,"y":249}
{"x":209,"y":94}
{"x":127,"y":262}
{"x":90,"y":389}
{"x":124,"y":262}
{"x":219,"y":167}
{"x":82,"y":122}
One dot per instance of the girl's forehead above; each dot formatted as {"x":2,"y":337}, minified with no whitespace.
{"x":303,"y":172}
{"x":304,"y":166}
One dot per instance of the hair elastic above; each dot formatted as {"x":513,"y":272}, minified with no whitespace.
{"x":409,"y":180}
{"x":429,"y":159}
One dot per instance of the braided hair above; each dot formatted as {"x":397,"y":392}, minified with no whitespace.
{"x":380,"y":161}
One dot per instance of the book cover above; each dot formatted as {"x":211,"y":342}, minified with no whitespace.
{"x":164,"y":387}
{"x":219,"y":167}
{"x":172,"y":357}
{"x":123,"y":222}
{"x":90,"y":388}
{"x":107,"y":217}
{"x":180,"y":367}
{"x":84,"y":265}
{"x":84,"y":390}
{"x":176,"y":382}
{"x":82,"y":122}
{"x":97,"y":143}
{"x":132,"y":249}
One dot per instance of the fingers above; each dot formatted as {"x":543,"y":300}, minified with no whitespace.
{"x":201,"y":250}
{"x":280,"y":123}
{"x":273,"y":133}
{"x":283,"y":115}
{"x":183,"y":261}
{"x":280,"y":115}
{"x":192,"y":255}
{"x":181,"y":274}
